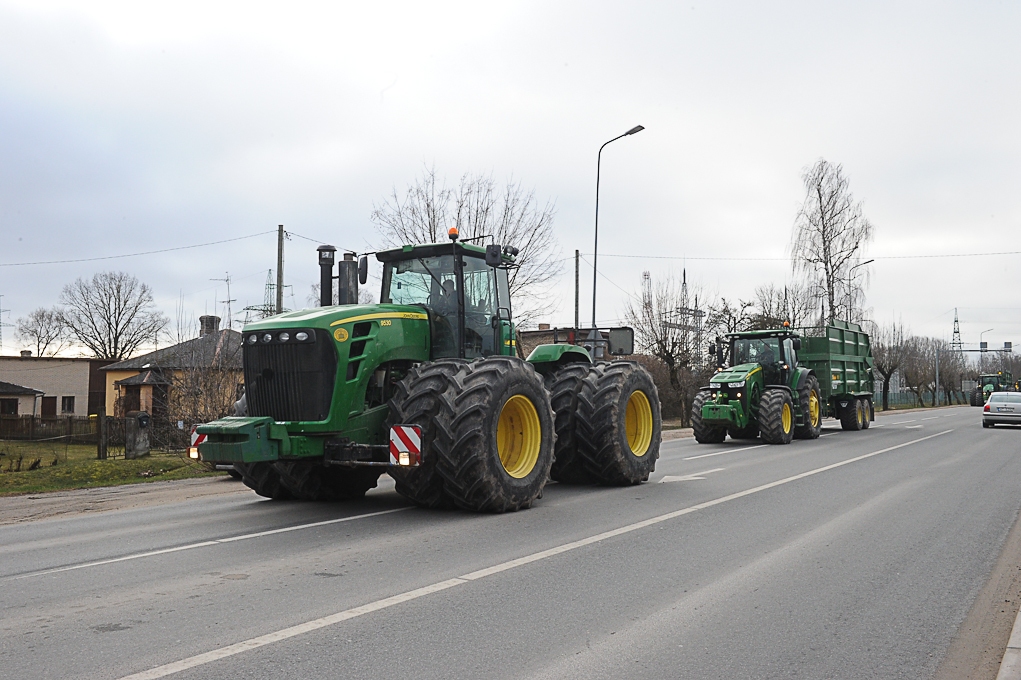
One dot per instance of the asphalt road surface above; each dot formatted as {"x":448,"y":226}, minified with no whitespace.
{"x":857,"y":555}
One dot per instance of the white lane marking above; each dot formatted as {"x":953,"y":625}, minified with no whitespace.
{"x":347,"y":614}
{"x":830,"y":434}
{"x":933,"y":418}
{"x":720,"y":453}
{"x":688,"y":478}
{"x":204,"y":544}
{"x":912,"y":427}
{"x":901,"y":422}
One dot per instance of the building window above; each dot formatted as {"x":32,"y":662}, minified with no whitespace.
{"x":67,"y":405}
{"x":8,"y":407}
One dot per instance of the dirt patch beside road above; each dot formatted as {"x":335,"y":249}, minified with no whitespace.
{"x":14,"y":509}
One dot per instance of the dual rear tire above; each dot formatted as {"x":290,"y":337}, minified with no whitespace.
{"x":856,"y":414}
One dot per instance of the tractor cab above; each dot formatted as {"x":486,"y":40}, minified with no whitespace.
{"x":463,"y":288}
{"x":775,"y":351}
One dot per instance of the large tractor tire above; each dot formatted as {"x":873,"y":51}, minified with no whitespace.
{"x":976,"y":397}
{"x":313,"y":481}
{"x":497,"y":426}
{"x":750,"y":431}
{"x":866,"y":413}
{"x":263,"y":479}
{"x":704,"y":434}
{"x":563,"y":387}
{"x":810,"y":403}
{"x":620,"y":426}
{"x":851,"y":415}
{"x":419,"y":400}
{"x":776,"y":417}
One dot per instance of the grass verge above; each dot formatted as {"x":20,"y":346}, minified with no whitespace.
{"x":70,"y":466}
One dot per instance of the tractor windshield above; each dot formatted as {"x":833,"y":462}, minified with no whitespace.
{"x":765,"y":351}
{"x":993,"y":380}
{"x":432,"y":283}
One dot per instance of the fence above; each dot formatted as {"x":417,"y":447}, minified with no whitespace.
{"x":163,"y":435}
{"x":910,"y":399}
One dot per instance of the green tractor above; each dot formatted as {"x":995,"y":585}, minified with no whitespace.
{"x":1001,"y":381}
{"x":427,"y":386}
{"x":768,"y":386}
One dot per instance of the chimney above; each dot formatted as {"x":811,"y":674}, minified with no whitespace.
{"x":544,"y":327}
{"x":208,"y":324}
{"x":25,"y":353}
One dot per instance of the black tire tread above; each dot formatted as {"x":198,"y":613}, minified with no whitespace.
{"x":263,"y":479}
{"x":563,"y":386}
{"x":770,"y":416}
{"x":704,"y":434}
{"x":807,"y":431}
{"x":313,"y":481}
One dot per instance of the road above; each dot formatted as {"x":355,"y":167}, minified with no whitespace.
{"x":857,"y":555}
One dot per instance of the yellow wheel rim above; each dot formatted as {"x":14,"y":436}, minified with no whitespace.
{"x":861,"y":414}
{"x":813,"y":408}
{"x":785,"y":418}
{"x":638,"y":423}
{"x":518,"y":436}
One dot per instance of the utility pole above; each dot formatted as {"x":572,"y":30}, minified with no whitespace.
{"x":935,"y":394}
{"x":577,"y":265}
{"x":228,"y":300}
{"x":2,"y":324}
{"x":955,"y":344}
{"x":280,"y":269}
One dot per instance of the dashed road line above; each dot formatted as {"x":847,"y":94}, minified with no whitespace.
{"x":720,"y":453}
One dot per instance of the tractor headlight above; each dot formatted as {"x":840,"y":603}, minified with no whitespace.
{"x":193,"y":452}
{"x":736,"y":384}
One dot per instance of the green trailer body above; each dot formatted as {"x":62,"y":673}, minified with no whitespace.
{"x":842,"y":362}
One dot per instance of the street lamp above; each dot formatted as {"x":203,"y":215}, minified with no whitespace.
{"x":595,"y":247}
{"x":982,"y":345}
{"x":850,"y":299}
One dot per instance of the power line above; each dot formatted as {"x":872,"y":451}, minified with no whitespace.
{"x":148,"y":252}
{"x":787,"y":259}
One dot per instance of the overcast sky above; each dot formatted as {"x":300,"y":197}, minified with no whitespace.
{"x":125,"y":128}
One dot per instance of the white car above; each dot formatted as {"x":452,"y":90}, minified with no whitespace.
{"x":1003,"y":408}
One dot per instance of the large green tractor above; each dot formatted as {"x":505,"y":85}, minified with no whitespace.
{"x":1001,"y":381}
{"x":427,"y":386}
{"x":768,"y":385}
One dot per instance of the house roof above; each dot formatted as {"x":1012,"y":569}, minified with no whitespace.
{"x":147,"y":377}
{"x":11,"y":388}
{"x":221,"y":349}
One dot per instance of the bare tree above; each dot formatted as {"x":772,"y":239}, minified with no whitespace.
{"x":889,"y":352}
{"x":674,"y":336}
{"x":792,"y":303}
{"x":725,"y":317}
{"x":45,"y":329}
{"x":830,"y":235}
{"x":111,"y":314}
{"x":482,"y":210}
{"x":918,"y":366}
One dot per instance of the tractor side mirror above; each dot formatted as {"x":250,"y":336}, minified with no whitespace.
{"x":363,"y":270}
{"x":503,"y":314}
{"x":621,"y":341}
{"x":493,"y":258}
{"x":796,"y":344}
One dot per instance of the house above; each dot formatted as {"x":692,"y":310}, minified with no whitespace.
{"x":16,"y":400}
{"x":67,"y":386}
{"x":161,"y":381}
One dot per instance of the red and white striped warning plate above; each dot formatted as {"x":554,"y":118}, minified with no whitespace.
{"x":196,"y":438}
{"x":405,"y":445}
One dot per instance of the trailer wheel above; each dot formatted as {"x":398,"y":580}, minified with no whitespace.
{"x":810,"y":403}
{"x":263,"y":479}
{"x":497,"y":448}
{"x":563,"y":386}
{"x":776,"y":417}
{"x":313,"y":481}
{"x":850,"y":415}
{"x":704,"y":433}
{"x":418,"y":401}
{"x":619,"y":423}
{"x":866,"y":413}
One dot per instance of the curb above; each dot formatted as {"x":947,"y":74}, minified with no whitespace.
{"x":1010,"y":666}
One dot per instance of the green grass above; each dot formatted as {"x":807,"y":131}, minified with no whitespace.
{"x":73,"y":466}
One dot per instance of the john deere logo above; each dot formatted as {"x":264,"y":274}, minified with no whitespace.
{"x":340,"y":334}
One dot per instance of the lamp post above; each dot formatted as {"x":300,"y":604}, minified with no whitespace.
{"x":982,"y":345}
{"x":595,"y":247}
{"x":850,"y":299}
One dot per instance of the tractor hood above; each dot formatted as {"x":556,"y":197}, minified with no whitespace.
{"x":326,"y":317}
{"x":735,"y":373}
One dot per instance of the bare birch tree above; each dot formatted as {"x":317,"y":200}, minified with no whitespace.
{"x":45,"y":330}
{"x":830,"y":235}
{"x":111,"y":314}
{"x":889,"y":351}
{"x":792,"y":303}
{"x":481,"y":209}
